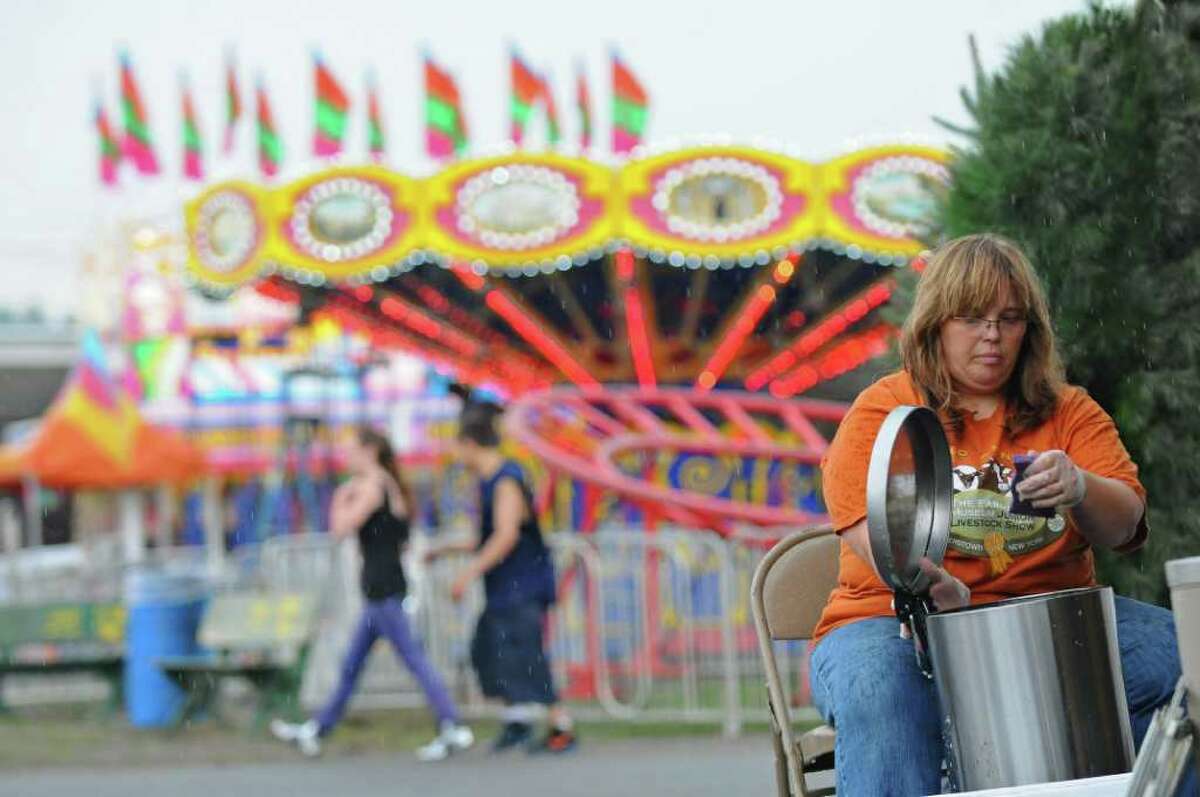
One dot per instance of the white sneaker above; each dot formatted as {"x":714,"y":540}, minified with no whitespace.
{"x":306,"y":735}
{"x":453,"y":739}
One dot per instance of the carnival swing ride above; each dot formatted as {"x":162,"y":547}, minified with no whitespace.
{"x":656,"y":318}
{"x":659,"y":319}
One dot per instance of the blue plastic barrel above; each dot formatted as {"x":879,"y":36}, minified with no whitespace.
{"x":164,"y":611}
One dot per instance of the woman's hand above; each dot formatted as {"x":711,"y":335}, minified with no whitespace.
{"x":459,"y":587}
{"x":946,"y":591}
{"x":455,"y":545}
{"x":1053,"y":480}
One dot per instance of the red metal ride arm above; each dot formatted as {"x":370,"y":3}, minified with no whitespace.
{"x":646,"y":421}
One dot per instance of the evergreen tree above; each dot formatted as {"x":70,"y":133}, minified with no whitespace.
{"x":1085,"y":149}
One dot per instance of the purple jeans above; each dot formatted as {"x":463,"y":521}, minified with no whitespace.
{"x":387,"y":618}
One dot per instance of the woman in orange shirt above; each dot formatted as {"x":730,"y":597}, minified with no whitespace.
{"x":979,"y":348}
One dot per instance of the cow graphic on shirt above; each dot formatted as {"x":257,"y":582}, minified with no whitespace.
{"x":981,"y":524}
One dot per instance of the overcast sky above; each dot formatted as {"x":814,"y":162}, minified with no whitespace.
{"x":814,"y":76}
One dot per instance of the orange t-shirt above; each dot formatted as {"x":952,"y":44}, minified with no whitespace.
{"x":996,"y":554}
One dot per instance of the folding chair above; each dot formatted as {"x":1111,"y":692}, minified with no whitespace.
{"x":790,"y":588}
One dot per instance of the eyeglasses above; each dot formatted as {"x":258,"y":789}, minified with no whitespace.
{"x":1008,"y":324}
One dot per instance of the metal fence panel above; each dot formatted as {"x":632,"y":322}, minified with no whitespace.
{"x":649,"y":626}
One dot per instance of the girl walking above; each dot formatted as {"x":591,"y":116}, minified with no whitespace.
{"x":375,"y":504}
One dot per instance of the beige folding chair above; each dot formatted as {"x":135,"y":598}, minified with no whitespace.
{"x":790,"y":588}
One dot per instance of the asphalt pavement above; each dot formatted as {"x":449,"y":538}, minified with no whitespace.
{"x":664,"y":768}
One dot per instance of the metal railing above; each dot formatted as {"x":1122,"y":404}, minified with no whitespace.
{"x":647,"y":627}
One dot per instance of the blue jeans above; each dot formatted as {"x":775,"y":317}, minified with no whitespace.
{"x":386,"y":618}
{"x":866,"y":683}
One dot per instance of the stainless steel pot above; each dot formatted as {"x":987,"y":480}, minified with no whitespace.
{"x":1031,"y":689}
{"x":1183,"y":577}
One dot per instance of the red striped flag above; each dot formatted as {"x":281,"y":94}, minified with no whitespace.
{"x":553,"y":131}
{"x":375,"y":139}
{"x":110,"y":150}
{"x":233,"y":103}
{"x":527,"y":89}
{"x":136,"y":144}
{"x":270,"y":148}
{"x":445,"y":125}
{"x":332,"y":106}
{"x":630,"y":107}
{"x":193,"y":158}
{"x":583,"y":102}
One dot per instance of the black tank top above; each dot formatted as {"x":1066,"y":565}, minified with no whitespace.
{"x":380,"y":538}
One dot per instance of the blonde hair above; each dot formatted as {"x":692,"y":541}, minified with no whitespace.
{"x":963,"y":277}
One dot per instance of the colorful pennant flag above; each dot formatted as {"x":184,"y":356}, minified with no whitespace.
{"x":193,"y":157}
{"x":91,"y":351}
{"x":445,"y":125}
{"x":110,"y":150}
{"x":583,"y":101}
{"x":553,"y":131}
{"x":92,"y":401}
{"x":527,"y":89}
{"x":148,"y":356}
{"x":270,"y":148}
{"x":629,"y":108}
{"x":233,"y":103}
{"x":331,"y":107}
{"x":136,"y":144}
{"x":375,"y":140}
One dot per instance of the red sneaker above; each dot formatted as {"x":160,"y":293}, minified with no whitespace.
{"x":556,"y":741}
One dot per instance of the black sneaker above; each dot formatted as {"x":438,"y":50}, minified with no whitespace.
{"x":556,"y":741}
{"x":513,"y":734}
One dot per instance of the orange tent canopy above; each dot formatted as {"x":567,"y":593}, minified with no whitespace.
{"x":93,"y":437}
{"x":61,"y":456}
{"x":10,"y":465}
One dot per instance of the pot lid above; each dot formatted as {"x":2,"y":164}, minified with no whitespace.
{"x":909,"y":497}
